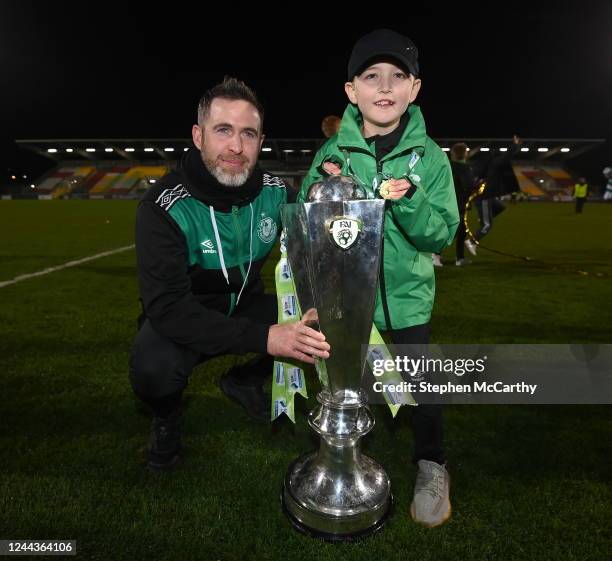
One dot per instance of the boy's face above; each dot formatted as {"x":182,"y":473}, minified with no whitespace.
{"x":383,"y":92}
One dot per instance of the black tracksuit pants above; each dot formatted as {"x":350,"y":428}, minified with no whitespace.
{"x":160,"y":369}
{"x":426,"y":418}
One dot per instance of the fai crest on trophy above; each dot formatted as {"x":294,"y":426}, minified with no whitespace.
{"x":344,"y":231}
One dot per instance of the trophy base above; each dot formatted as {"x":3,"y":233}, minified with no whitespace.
{"x":340,"y":523}
{"x":337,"y":537}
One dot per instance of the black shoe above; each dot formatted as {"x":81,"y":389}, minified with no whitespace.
{"x":165,"y":444}
{"x":250,"y":396}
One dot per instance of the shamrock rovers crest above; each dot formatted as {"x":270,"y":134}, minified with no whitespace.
{"x":267,"y":230}
{"x":344,"y":231}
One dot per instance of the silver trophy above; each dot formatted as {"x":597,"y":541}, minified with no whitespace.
{"x":333,"y":246}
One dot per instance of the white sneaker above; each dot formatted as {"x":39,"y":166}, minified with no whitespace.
{"x":437,"y":260}
{"x":462,"y":262}
{"x":471,"y":246}
{"x":431,"y":504}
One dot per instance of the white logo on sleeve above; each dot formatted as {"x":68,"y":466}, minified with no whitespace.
{"x":208,"y":246}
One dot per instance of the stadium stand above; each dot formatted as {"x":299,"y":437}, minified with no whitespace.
{"x":125,"y":168}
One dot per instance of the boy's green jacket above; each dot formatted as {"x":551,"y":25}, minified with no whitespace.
{"x":413,"y":227}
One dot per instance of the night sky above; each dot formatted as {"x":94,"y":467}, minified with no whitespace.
{"x":95,"y":70}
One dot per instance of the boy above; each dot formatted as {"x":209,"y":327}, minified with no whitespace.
{"x":382,"y":138}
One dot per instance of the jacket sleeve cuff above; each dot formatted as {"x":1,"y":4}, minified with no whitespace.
{"x":331,"y":158}
{"x":255,"y":339}
{"x":411,"y":191}
{"x":412,"y":198}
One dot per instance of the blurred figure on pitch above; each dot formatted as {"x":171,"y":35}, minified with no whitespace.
{"x":607,"y":196}
{"x":499,"y":178}
{"x":581,"y":190}
{"x":465,"y":182}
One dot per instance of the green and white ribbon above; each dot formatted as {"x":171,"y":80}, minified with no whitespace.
{"x":287,"y":378}
{"x":378,"y":350}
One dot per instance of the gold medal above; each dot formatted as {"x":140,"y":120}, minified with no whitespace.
{"x":384,"y":189}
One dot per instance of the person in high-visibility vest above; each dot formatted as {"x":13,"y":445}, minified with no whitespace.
{"x":580,"y":193}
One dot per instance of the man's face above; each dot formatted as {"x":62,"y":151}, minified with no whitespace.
{"x":229,"y":140}
{"x":383,"y":92}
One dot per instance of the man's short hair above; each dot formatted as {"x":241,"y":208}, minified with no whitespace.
{"x":230,"y":88}
{"x":459,"y":151}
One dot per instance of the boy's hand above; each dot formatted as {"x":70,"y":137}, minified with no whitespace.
{"x":394,"y":189}
{"x":331,"y":168}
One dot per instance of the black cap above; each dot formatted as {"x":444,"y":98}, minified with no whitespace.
{"x":383,"y":43}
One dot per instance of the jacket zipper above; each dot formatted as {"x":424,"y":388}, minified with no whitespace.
{"x":239,"y":241}
{"x":238,"y":248}
{"x":381,"y":275}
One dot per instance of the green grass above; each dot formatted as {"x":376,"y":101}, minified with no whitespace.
{"x":503,"y":299}
{"x":40,"y":234}
{"x":528,"y":482}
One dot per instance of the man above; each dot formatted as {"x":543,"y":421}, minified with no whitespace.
{"x":202,"y":235}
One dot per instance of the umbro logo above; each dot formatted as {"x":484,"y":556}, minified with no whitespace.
{"x":208,"y":246}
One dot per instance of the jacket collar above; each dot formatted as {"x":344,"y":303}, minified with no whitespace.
{"x":350,"y":136}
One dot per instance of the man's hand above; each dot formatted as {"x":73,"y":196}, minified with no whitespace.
{"x":394,"y":189}
{"x":298,"y":341}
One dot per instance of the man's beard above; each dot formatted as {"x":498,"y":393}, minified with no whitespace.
{"x":225,"y":178}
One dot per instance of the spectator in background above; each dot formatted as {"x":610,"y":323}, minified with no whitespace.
{"x":465,"y":181}
{"x":330,"y":125}
{"x":607,"y":196}
{"x":496,"y":171}
{"x":581,"y":190}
